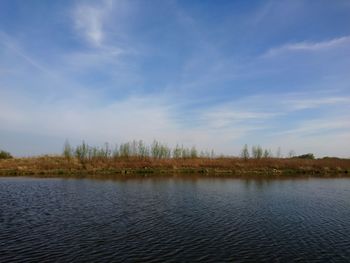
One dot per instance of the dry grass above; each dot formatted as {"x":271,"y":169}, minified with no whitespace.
{"x":62,"y":165}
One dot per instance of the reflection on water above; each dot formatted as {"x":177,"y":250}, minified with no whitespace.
{"x":175,"y":219}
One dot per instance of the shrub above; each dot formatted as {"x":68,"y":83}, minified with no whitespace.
{"x":5,"y":155}
{"x":306,"y":156}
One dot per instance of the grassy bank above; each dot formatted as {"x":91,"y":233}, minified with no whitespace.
{"x":58,"y":165}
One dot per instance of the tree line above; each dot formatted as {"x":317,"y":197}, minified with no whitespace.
{"x":257,"y":152}
{"x":140,"y":149}
{"x":158,"y":150}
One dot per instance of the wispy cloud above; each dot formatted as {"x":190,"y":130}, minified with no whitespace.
{"x":319,"y":126}
{"x":92,"y":59}
{"x":223,"y":127}
{"x":92,"y":23}
{"x":300,"y":104}
{"x":89,"y":21}
{"x":327,"y":136}
{"x":15,"y":48}
{"x":226,"y":116}
{"x":266,"y":106}
{"x":309,"y":46}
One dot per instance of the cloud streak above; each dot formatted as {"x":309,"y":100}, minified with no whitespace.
{"x":14,"y":47}
{"x":309,"y":46}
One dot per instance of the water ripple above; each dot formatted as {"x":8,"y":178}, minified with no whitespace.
{"x":174,"y":220}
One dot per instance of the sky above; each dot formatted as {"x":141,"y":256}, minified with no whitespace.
{"x":214,"y":74}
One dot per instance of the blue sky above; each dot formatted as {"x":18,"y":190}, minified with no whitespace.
{"x":215,"y":74}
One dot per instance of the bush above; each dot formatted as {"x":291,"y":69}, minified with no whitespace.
{"x":306,"y":156}
{"x":5,"y":155}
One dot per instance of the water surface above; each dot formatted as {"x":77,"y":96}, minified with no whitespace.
{"x":174,"y":219}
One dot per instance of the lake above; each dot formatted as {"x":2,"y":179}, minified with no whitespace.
{"x":174,"y":219}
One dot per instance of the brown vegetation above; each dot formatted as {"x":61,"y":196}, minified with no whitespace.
{"x":73,"y":165}
{"x":137,"y":157}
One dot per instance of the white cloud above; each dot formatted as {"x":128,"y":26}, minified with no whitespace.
{"x":144,"y":118}
{"x":330,"y":143}
{"x":282,"y":104}
{"x":89,"y":21}
{"x":319,"y":126}
{"x":101,"y":25}
{"x":223,"y":128}
{"x":225,"y":116}
{"x":309,"y":46}
{"x":300,"y":104}
{"x":132,"y":116}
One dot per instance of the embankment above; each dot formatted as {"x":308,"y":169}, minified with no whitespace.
{"x":57,"y":165}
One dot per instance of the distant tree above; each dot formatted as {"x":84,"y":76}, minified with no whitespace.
{"x":257,"y":152}
{"x":160,"y":151}
{"x":156,"y":149}
{"x":212,"y":154}
{"x":115,"y":152}
{"x":291,"y":154}
{"x":81,"y":151}
{"x":107,"y":150}
{"x":194,"y":153}
{"x":306,"y":156}
{"x":279,"y":152}
{"x":331,"y":158}
{"x":245,"y":152}
{"x":267,"y":153}
{"x":5,"y":155}
{"x":143,"y":150}
{"x":165,"y":152}
{"x":125,"y":150}
{"x":67,"y":150}
{"x":177,"y":151}
{"x":185,"y":153}
{"x":204,"y":154}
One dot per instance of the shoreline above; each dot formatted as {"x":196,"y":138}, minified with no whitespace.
{"x":60,"y":166}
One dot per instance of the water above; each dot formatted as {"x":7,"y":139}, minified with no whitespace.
{"x":174,"y":219}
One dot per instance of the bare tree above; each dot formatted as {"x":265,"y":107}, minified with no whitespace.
{"x":291,"y":153}
{"x":279,"y":152}
{"x":67,"y":150}
{"x":245,"y":152}
{"x":257,"y":152}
